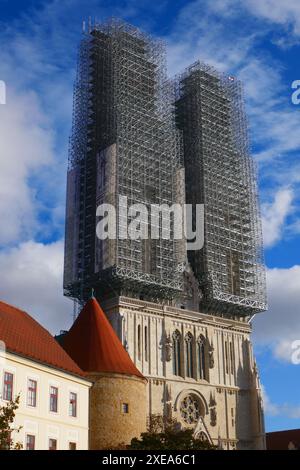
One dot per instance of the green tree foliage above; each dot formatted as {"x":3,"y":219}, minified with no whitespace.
{"x":7,"y":417}
{"x":168,"y":435}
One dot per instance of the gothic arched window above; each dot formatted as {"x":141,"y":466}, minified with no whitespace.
{"x":176,"y":343}
{"x":201,"y":357}
{"x":189,"y":363}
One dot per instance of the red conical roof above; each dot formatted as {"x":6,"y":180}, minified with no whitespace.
{"x":94,"y":346}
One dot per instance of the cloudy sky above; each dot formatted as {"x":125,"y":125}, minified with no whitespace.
{"x":256,"y":40}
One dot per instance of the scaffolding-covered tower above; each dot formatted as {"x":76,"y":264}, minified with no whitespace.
{"x":220,"y":173}
{"x":125,"y":143}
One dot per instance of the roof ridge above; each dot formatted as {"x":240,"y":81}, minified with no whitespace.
{"x":25,"y":336}
{"x":29,"y":317}
{"x":13,"y":306}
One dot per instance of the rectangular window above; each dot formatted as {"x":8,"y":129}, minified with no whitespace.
{"x":8,"y":386}
{"x":125,"y":408}
{"x":52,"y":444}
{"x":53,"y":399}
{"x":72,"y":445}
{"x":73,"y":404}
{"x":30,"y":442}
{"x":31,"y":392}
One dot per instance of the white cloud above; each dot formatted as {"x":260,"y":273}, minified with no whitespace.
{"x":198,"y":34}
{"x":280,"y":12}
{"x":274,"y":123}
{"x":35,"y":123}
{"x":278,"y":131}
{"x":262,"y":83}
{"x":283,"y":349}
{"x":284,"y":12}
{"x":280,"y":325}
{"x":31,"y":278}
{"x":274,"y":216}
{"x":282,"y":409}
{"x":294,"y":227}
{"x":26,"y":146}
{"x":269,"y":408}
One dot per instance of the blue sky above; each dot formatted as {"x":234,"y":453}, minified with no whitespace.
{"x":256,"y":40}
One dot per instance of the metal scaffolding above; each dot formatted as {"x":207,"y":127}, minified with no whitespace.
{"x":221,"y":174}
{"x":155,"y":141}
{"x":124,"y":142}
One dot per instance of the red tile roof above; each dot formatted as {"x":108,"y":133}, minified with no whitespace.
{"x":25,"y":336}
{"x":94,"y":345}
{"x":280,"y":440}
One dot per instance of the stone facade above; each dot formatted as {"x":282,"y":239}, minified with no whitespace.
{"x":213,"y":386}
{"x":118,"y":409}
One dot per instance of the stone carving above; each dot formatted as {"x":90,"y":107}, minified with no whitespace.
{"x":191,"y":289}
{"x":168,"y":402}
{"x":211,"y":359}
{"x":213,"y":416}
{"x":125,"y":344}
{"x":213,"y":410}
{"x":212,"y":400}
{"x":168,"y":348}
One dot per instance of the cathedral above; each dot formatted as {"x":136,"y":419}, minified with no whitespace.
{"x":182,"y":312}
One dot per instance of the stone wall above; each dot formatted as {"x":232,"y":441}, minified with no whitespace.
{"x":118,"y":409}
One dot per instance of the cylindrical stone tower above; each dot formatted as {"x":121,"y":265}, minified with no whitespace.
{"x":118,"y":405}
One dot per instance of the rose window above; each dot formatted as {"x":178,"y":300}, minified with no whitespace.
{"x":190,"y":409}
